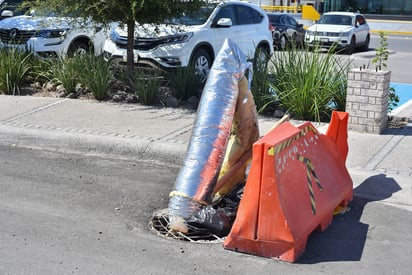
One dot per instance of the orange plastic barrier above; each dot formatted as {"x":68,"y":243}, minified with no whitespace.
{"x":296,"y":181}
{"x":338,"y":132}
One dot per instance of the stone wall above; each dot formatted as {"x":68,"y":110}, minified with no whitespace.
{"x":367,"y":100}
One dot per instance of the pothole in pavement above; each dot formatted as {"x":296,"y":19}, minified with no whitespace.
{"x":209,"y":224}
{"x":159,"y":224}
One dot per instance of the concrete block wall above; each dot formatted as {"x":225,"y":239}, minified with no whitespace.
{"x":367,"y":100}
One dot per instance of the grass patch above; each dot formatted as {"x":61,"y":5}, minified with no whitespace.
{"x":14,"y":69}
{"x":145,"y":84}
{"x":310,"y":84}
{"x":95,"y":74}
{"x":184,"y":83}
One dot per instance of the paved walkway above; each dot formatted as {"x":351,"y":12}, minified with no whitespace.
{"x":136,"y":131}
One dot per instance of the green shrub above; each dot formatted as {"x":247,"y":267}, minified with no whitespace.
{"x":14,"y":69}
{"x":382,"y":52}
{"x":382,"y":55}
{"x":184,"y":82}
{"x":310,"y":84}
{"x":41,"y":69}
{"x":95,"y":74}
{"x":145,"y":84}
{"x":66,"y":72}
{"x":263,"y":94}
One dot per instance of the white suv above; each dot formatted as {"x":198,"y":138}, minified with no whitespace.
{"x":51,"y":36}
{"x":346,"y":30}
{"x":194,"y":39}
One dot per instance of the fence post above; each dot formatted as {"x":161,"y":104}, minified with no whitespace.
{"x":367,"y":100}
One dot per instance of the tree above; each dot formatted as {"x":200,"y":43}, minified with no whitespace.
{"x":126,"y":12}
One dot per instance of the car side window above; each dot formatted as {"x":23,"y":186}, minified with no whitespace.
{"x":225,"y":12}
{"x":244,"y":15}
{"x":257,"y":17}
{"x":360,"y":20}
{"x":292,"y":21}
{"x":283,"y":20}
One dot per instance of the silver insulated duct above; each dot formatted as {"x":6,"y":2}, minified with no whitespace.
{"x":210,"y":135}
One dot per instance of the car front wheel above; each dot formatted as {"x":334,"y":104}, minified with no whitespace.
{"x":282,"y":43}
{"x":78,"y":48}
{"x":366,"y":45}
{"x":352,"y":46}
{"x":201,"y":63}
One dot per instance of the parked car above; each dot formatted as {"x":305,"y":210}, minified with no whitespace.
{"x":9,"y":8}
{"x":51,"y":36}
{"x":286,"y":30}
{"x":346,"y":30}
{"x":194,"y":39}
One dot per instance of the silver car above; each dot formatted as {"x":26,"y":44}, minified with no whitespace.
{"x":345,"y":30}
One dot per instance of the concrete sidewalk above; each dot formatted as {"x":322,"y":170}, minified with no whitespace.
{"x":136,"y":131}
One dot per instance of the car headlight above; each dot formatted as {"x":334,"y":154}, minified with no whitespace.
{"x":114,"y":36}
{"x":178,"y":38}
{"x":52,"y":33}
{"x":308,"y":32}
{"x":345,"y":34}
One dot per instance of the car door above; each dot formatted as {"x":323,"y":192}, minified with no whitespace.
{"x":221,"y":32}
{"x":287,"y":27}
{"x":361,"y":29}
{"x":299,"y":30}
{"x":247,"y":29}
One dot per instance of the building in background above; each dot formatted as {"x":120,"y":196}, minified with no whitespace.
{"x":383,"y":7}
{"x":393,"y":8}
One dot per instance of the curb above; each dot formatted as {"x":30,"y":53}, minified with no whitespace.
{"x":92,"y":144}
{"x":392,"y":32}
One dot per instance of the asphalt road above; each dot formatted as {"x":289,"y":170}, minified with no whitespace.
{"x":67,"y":213}
{"x":396,"y":42}
{"x":399,"y":61}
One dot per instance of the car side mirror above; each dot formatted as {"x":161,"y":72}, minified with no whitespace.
{"x":300,"y":25}
{"x":224,"y":23}
{"x":6,"y":13}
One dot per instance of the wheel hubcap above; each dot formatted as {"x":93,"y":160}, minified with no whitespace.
{"x":202,"y":68}
{"x":80,"y":51}
{"x":282,"y":42}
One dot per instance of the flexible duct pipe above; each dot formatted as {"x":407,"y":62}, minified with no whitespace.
{"x":211,"y":131}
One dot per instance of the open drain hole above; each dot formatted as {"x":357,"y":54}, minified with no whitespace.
{"x":216,"y":218}
{"x":159,"y":224}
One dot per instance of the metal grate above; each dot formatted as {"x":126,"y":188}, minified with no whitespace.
{"x":159,"y":224}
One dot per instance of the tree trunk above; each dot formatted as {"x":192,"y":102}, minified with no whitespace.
{"x":130,"y":45}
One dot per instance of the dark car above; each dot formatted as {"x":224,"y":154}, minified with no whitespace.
{"x":285,"y":30}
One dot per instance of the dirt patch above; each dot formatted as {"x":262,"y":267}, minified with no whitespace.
{"x":397,"y":122}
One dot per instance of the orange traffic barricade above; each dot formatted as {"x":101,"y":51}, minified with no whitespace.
{"x":297,"y":179}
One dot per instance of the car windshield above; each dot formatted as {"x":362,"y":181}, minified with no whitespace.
{"x":197,"y":17}
{"x":335,"y":19}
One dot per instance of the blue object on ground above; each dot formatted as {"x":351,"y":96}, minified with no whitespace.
{"x":404,"y":92}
